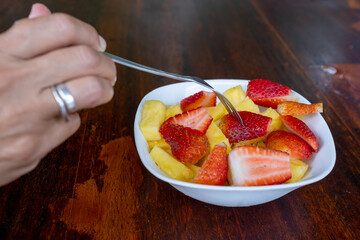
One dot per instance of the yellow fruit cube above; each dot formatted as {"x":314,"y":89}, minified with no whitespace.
{"x":216,"y":112}
{"x":261,"y":144}
{"x":251,"y":142}
{"x":172,"y":111}
{"x":235,"y":95}
{"x":270,"y":112}
{"x":193,"y":167}
{"x":276,"y":121}
{"x":170,"y":166}
{"x":153,"y":115}
{"x":218,"y":122}
{"x":216,"y":136}
{"x":283,"y":128}
{"x":248,"y":105}
{"x":298,"y":170}
{"x":160,"y":143}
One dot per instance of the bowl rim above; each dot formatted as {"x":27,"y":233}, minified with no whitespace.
{"x":142,"y":154}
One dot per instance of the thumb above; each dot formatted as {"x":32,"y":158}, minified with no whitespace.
{"x":38,"y":10}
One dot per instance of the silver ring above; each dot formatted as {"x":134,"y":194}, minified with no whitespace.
{"x":61,"y":103}
{"x":67,"y":97}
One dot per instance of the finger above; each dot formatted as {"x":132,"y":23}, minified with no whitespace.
{"x":34,"y":146}
{"x":88,"y":92}
{"x":71,"y":63}
{"x":26,"y":146}
{"x":38,"y":10}
{"x":57,"y":132}
{"x":32,"y":37}
{"x":60,"y":130}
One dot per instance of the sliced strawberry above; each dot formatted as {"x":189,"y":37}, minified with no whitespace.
{"x":200,"y":99}
{"x":300,"y":128}
{"x":187,"y":144}
{"x":290,"y":143}
{"x":214,"y":169}
{"x":256,"y":166}
{"x":295,"y":108}
{"x":256,"y":126}
{"x":267,"y":93}
{"x":198,"y":119}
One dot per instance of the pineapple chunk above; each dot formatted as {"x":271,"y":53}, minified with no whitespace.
{"x":248,"y":105}
{"x":193,"y":167}
{"x":170,"y":166}
{"x":172,"y":111}
{"x":276,"y":121}
{"x":215,"y":136}
{"x":251,"y":142}
{"x":283,"y":128}
{"x":216,"y":112}
{"x":261,"y":144}
{"x":218,"y":122}
{"x":160,"y":143}
{"x":235,"y":95}
{"x":153,"y":115}
{"x":298,"y":170}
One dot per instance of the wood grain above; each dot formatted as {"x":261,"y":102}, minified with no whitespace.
{"x":94,"y":186}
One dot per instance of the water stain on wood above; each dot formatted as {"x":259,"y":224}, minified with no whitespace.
{"x":346,"y":75}
{"x":342,"y":78}
{"x":340,"y":82}
{"x":109,"y":214}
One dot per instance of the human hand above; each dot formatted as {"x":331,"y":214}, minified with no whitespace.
{"x":35,"y":54}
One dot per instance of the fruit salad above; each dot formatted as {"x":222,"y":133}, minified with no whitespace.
{"x":197,"y":141}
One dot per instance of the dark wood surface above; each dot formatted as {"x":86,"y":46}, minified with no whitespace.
{"x":94,"y":186}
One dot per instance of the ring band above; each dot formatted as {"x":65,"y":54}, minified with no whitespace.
{"x":64,"y":99}
{"x":61,"y":104}
{"x":67,"y":97}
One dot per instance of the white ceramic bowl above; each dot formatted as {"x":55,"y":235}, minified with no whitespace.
{"x":320,"y":164}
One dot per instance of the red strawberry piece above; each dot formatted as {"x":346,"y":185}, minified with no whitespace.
{"x":256,"y":126}
{"x":187,"y":145}
{"x":198,"y":119}
{"x":295,"y":108}
{"x":267,"y":93}
{"x":200,"y":99}
{"x":214,"y":169}
{"x":290,"y":143}
{"x":257,"y":166}
{"x":300,"y":128}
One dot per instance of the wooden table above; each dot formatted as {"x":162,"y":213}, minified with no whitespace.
{"x":94,"y":185}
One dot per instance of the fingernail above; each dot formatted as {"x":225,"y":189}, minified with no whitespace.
{"x":102,"y":44}
{"x":39,"y":10}
{"x":114,"y":80}
{"x":31,"y":14}
{"x":111,"y":94}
